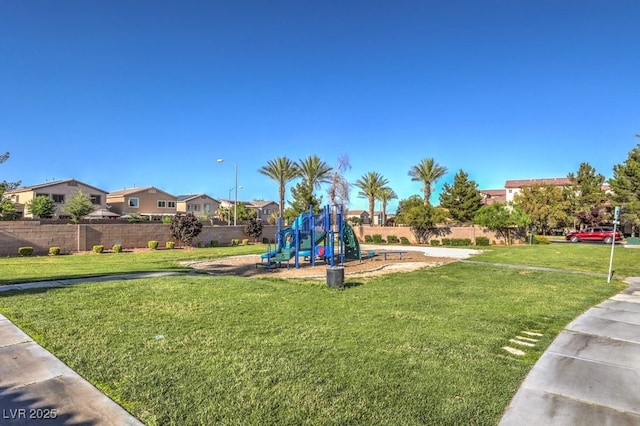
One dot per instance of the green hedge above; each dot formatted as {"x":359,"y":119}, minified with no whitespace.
{"x":392,"y":239}
{"x":368,"y":239}
{"x":405,"y":241}
{"x":99,"y":248}
{"x":117,"y":248}
{"x":153,"y":245}
{"x":170,"y":244}
{"x":54,"y":251}
{"x":434,"y":242}
{"x":456,"y":242}
{"x":377,"y":239}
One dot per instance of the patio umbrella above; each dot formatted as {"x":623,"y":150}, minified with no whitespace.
{"x":101,"y":214}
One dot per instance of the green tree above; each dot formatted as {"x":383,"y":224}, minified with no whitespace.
{"x":185,"y":227}
{"x":423,"y":219}
{"x":370,"y":185}
{"x":504,"y":218}
{"x":303,"y":198}
{"x":78,"y":205}
{"x":223,"y":213}
{"x":244,"y":214}
{"x":545,"y":205}
{"x":339,"y":187}
{"x":462,"y":199}
{"x":282,"y":170}
{"x":428,"y":172}
{"x":8,"y":210}
{"x":385,"y":195}
{"x":41,"y":206}
{"x":626,"y":189}
{"x":584,"y":192}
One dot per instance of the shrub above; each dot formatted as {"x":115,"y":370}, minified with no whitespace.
{"x":170,"y":245}
{"x":54,"y":251}
{"x":404,"y":241}
{"x":446,"y":241}
{"x":392,"y":239}
{"x":377,"y":238}
{"x":117,"y":248}
{"x":98,"y":248}
{"x":235,"y":242}
{"x":265,"y":240}
{"x":368,"y":239}
{"x":167,"y":219}
{"x":200,"y":244}
{"x":541,"y":239}
{"x":482,"y":241}
{"x":213,"y":243}
{"x":434,"y":242}
{"x":460,"y":242}
{"x":245,"y":242}
{"x":25,"y":251}
{"x":153,"y":245}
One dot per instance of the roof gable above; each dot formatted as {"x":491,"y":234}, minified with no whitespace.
{"x":53,"y":183}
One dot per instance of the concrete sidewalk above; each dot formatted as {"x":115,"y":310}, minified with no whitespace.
{"x":590,"y":374}
{"x":37,"y":388}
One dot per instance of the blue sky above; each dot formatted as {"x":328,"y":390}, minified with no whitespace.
{"x":138,"y":93}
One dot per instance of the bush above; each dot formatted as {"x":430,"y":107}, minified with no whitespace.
{"x":404,"y":241}
{"x":25,"y":251}
{"x":170,"y":244}
{"x":377,"y":238}
{"x":200,"y":244}
{"x":482,"y":241}
{"x":235,"y":242}
{"x":265,"y":240}
{"x":98,"y":248}
{"x":368,"y":239}
{"x":153,"y":245}
{"x":541,"y":239}
{"x":245,"y":242}
{"x":446,"y":241}
{"x":460,"y":242}
{"x":167,"y":219}
{"x":54,"y":251}
{"x":392,"y":239}
{"x":117,"y":248}
{"x":434,"y":242}
{"x":213,"y":243}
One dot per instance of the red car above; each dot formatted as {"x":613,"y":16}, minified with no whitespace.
{"x":597,"y":233}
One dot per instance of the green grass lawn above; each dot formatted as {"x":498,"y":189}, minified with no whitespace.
{"x":416,"y":348}
{"x":39,"y":268}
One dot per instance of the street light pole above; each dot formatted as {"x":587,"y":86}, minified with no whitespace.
{"x":229,"y":215}
{"x":235,"y":205}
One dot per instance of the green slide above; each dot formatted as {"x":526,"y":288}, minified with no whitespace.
{"x":351,"y":245}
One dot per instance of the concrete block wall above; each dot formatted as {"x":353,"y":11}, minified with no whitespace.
{"x":82,"y":237}
{"x":470,"y":232}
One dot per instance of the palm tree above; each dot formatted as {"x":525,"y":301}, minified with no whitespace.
{"x":370,"y":185}
{"x":282,"y":170}
{"x":314,"y":172}
{"x":385,"y":195}
{"x":427,"y":172}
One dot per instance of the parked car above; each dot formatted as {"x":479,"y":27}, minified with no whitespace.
{"x":596,"y":233}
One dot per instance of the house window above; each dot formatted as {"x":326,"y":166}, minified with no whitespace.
{"x":207,"y":207}
{"x":58,"y":198}
{"x":96,"y":199}
{"x":40,"y":194}
{"x":171,"y":204}
{"x":162,"y":204}
{"x":134,"y":202}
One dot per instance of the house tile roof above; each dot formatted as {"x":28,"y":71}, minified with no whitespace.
{"x":129,"y":191}
{"x":522,"y":183}
{"x":52,"y":183}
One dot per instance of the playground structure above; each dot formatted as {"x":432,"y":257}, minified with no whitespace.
{"x":323,"y":236}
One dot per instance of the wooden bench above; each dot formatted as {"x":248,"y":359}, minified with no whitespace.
{"x":399,"y":253}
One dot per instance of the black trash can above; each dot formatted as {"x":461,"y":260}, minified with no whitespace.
{"x":335,"y":276}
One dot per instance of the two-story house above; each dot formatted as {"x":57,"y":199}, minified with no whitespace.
{"x":198,"y":204}
{"x":148,"y":201}
{"x":58,"y":191}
